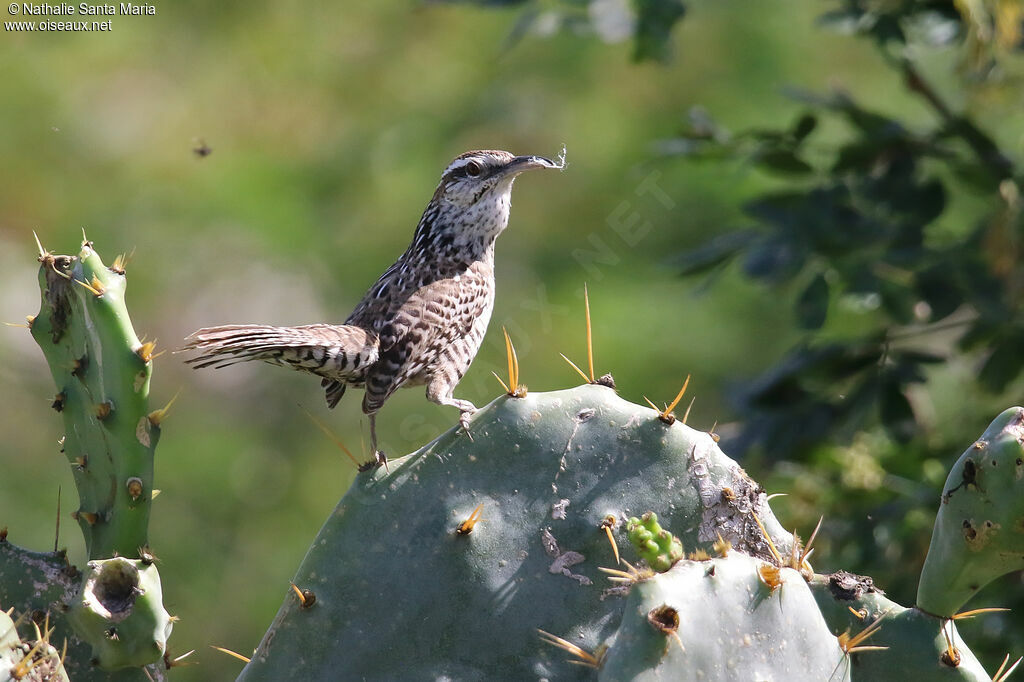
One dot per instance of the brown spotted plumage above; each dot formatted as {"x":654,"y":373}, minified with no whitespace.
{"x":422,"y":322}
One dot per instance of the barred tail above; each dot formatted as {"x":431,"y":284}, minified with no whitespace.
{"x":339,"y":353}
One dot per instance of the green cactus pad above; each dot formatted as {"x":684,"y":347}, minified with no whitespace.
{"x":979,"y":530}
{"x":914,"y":639}
{"x":731,"y":626}
{"x":120,"y":612}
{"x":401,"y":595}
{"x":655,"y":545}
{"x":102,"y":375}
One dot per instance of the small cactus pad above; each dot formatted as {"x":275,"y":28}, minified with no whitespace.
{"x":120,"y":612}
{"x":731,"y":625}
{"x":914,"y":640}
{"x":979,"y":530}
{"x":41,"y":584}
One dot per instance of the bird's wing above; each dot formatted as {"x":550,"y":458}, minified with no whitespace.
{"x":429,"y":319}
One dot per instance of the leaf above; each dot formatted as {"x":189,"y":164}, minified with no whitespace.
{"x":898,"y":300}
{"x":982,"y":331}
{"x":715,"y":252}
{"x":654,"y":22}
{"x":775,"y":260}
{"x":937,"y":30}
{"x":887,"y":29}
{"x":874,"y":125}
{"x":930,"y":202}
{"x":702,"y":126}
{"x":783,"y":161}
{"x":896,"y":413}
{"x":824,"y":365}
{"x":804,"y":127}
{"x":1004,"y":364}
{"x":917,"y":357}
{"x":812,"y":306}
{"x":938,"y":287}
{"x":983,"y":145}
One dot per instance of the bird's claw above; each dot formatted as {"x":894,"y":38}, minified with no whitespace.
{"x":379,"y":458}
{"x":464,"y":423}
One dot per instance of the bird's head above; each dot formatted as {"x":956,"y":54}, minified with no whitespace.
{"x":471,"y":204}
{"x":485,"y":175}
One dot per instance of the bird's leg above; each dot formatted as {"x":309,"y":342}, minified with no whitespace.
{"x":441,"y":393}
{"x":466,"y":410}
{"x":378,"y":456}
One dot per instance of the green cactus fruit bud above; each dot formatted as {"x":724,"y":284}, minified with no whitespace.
{"x":655,"y":545}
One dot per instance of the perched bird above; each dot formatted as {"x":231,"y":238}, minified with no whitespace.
{"x":422,"y":323}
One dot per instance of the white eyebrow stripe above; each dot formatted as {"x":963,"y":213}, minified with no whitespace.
{"x":461,"y":163}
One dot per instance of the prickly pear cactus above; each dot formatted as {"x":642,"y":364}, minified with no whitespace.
{"x":120,"y":610}
{"x":979,"y":530}
{"x":549,"y":470}
{"x":102,"y":372}
{"x":111,"y":614}
{"x":913,"y":645}
{"x":29,"y":660}
{"x":490,"y":559}
{"x":721,"y":619}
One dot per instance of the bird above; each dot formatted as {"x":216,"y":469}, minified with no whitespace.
{"x":424,"y":319}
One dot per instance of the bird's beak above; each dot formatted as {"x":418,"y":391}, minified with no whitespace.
{"x":522,"y":163}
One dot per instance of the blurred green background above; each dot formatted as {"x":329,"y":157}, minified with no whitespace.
{"x":329,"y":124}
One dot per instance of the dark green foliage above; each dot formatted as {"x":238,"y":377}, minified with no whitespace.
{"x":864,"y":231}
{"x":654,"y":22}
{"x":854,"y":229}
{"x":648,"y":22}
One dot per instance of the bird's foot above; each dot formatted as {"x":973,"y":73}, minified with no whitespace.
{"x":379,"y":458}
{"x":464,"y":421}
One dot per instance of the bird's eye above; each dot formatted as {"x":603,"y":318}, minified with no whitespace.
{"x":473,"y":169}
